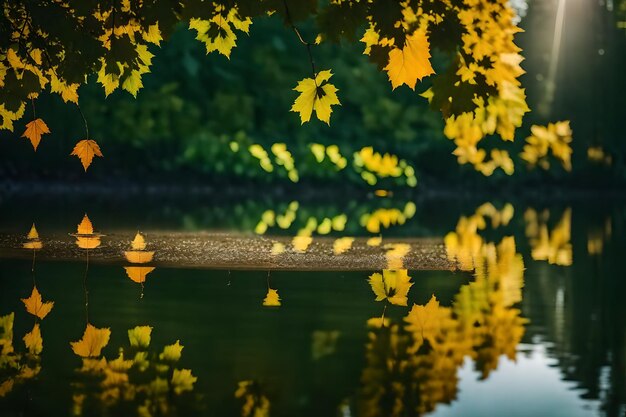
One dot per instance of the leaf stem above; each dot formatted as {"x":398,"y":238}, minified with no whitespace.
{"x":84,"y":120}
{"x":302,"y":41}
{"x":86,"y":289}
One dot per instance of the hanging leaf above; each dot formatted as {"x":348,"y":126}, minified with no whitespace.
{"x":411,"y":63}
{"x":85,"y":150}
{"x":318,"y":95}
{"x":34,"y":130}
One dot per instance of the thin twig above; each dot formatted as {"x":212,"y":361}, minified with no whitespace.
{"x":84,"y":120}
{"x":302,"y":41}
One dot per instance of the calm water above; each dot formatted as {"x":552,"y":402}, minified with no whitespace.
{"x":531,"y":323}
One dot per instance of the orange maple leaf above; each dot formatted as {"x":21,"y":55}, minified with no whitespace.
{"x":85,"y":227}
{"x":85,"y":150}
{"x":35,"y":305}
{"x":34,"y":130}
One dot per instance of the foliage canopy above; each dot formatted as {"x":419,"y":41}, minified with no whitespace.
{"x":57,"y":46}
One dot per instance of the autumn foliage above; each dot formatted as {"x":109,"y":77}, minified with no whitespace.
{"x":56,"y":47}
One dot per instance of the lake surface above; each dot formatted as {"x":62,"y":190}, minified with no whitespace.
{"x":526,"y":321}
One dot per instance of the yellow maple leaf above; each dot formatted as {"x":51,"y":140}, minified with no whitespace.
{"x":223,"y":41}
{"x":34,"y":130}
{"x":68,"y":92}
{"x":33,"y":340}
{"x":411,"y":63}
{"x":85,"y":150}
{"x":92,"y":342}
{"x":35,"y":305}
{"x":392,"y":285}
{"x":153,"y":35}
{"x":271,"y":299}
{"x":316,"y":94}
{"x":183,"y":380}
{"x":428,"y":321}
{"x":140,"y":336}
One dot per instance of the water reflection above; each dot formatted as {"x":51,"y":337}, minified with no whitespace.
{"x":140,"y":381}
{"x":414,"y":351}
{"x":138,"y":256}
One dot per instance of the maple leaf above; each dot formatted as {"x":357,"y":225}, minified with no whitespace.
{"x":138,"y":273}
{"x":92,"y":342}
{"x":33,"y":340}
{"x":316,"y":94}
{"x":140,"y":336}
{"x":33,"y":241}
{"x":391,"y":285}
{"x":85,"y":227}
{"x":34,"y":130}
{"x":35,"y":305}
{"x":183,"y":380}
{"x":85,"y":150}
{"x":411,"y":63}
{"x":68,"y":92}
{"x":271,"y":299}
{"x":138,"y":254}
{"x":172,"y":353}
{"x":428,"y":321}
{"x":85,"y":236}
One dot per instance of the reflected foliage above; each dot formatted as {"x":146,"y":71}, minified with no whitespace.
{"x":412,"y":366}
{"x":140,"y":381}
{"x":553,"y":245}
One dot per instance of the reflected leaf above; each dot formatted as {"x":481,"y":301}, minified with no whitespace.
{"x":6,"y":387}
{"x":271,"y":299}
{"x":428,"y":322}
{"x":391,"y":285}
{"x":323,"y":343}
{"x":255,"y":403}
{"x":395,"y":253}
{"x":172,"y":353}
{"x":342,"y":245}
{"x":183,"y":380}
{"x":138,"y":273}
{"x":85,"y":236}
{"x":553,"y":246}
{"x":35,"y":305}
{"x":33,"y":340}
{"x":140,"y":336}
{"x":277,"y":248}
{"x":378,"y":322}
{"x":138,"y":254}
{"x":301,"y":243}
{"x":92,"y":342}
{"x":32,"y":239}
